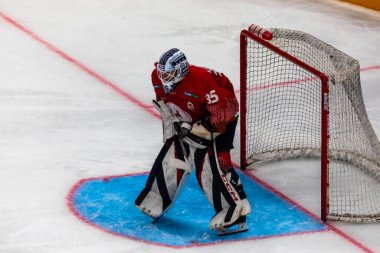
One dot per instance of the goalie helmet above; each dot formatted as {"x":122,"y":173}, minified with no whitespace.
{"x":171,"y":68}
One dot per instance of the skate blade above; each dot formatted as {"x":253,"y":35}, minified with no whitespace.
{"x":155,"y":220}
{"x":239,"y":228}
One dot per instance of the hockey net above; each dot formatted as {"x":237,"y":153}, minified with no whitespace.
{"x":301,"y":98}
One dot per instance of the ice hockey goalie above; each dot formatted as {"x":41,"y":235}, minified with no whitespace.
{"x":199,"y":112}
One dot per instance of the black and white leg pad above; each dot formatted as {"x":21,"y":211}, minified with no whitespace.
{"x":170,"y":172}
{"x":165,"y":181}
{"x":222,"y":188}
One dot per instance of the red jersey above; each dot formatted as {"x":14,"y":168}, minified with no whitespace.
{"x":202,"y":93}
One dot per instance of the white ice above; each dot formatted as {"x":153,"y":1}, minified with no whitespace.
{"x":58,"y":124}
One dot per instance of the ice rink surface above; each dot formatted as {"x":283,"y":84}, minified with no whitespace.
{"x":75,"y":103}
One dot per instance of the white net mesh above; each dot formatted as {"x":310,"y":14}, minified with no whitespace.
{"x":284,"y":119}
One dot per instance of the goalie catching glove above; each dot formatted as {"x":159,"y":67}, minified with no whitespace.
{"x":199,"y":132}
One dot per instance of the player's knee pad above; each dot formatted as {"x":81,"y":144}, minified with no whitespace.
{"x":165,"y":180}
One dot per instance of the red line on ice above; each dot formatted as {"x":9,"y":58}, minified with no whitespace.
{"x":150,"y":110}
{"x":291,"y":201}
{"x":299,"y":81}
{"x":76,"y":63}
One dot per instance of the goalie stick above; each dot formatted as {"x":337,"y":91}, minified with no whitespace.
{"x":184,"y":152}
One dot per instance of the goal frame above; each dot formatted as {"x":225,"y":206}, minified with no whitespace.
{"x":245,"y":35}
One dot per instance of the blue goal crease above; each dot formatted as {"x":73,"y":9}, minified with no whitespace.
{"x":109,"y":205}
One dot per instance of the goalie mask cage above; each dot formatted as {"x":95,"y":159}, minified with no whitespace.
{"x":301,"y":98}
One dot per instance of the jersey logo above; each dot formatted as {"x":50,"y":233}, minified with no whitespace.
{"x":157,"y":86}
{"x":179,"y":113}
{"x":190,"y":94}
{"x":190,"y":106}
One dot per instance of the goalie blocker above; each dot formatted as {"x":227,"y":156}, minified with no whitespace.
{"x":197,"y":150}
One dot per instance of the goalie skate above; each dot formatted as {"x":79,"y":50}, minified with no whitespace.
{"x":237,"y":227}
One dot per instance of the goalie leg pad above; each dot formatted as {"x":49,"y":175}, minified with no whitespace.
{"x":222,"y":188}
{"x":165,"y":181}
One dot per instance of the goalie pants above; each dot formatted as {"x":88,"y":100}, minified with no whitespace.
{"x":167,"y":177}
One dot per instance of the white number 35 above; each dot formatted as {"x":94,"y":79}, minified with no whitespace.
{"x":212,"y":97}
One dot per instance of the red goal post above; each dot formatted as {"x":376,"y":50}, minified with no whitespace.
{"x":285,"y":78}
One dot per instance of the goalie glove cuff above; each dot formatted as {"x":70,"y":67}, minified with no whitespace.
{"x":184,"y":128}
